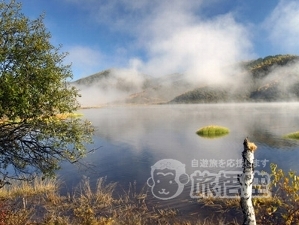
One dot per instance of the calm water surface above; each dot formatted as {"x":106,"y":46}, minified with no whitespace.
{"x":133,"y":138}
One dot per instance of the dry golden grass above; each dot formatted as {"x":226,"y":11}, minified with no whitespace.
{"x":38,"y":186}
{"x":60,"y":116}
{"x":39,"y":202}
{"x":64,"y":116}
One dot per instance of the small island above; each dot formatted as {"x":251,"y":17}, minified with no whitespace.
{"x":212,"y":131}
{"x":294,"y":135}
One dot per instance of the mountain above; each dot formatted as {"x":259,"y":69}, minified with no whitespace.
{"x":120,"y":80}
{"x":116,"y":86}
{"x":273,"y":78}
{"x":161,"y":90}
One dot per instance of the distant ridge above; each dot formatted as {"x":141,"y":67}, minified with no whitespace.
{"x":93,"y":78}
{"x":141,"y":89}
{"x":273,"y":78}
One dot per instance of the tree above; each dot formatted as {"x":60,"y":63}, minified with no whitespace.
{"x":246,"y":180}
{"x":34,"y":93}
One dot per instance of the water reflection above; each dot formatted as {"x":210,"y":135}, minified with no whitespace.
{"x":133,"y":138}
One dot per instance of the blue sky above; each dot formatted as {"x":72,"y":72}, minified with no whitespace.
{"x":160,"y":37}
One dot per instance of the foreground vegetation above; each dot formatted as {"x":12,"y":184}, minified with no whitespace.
{"x":38,"y":127}
{"x":39,"y":202}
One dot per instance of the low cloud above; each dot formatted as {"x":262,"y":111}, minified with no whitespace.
{"x":287,"y":79}
{"x":115,"y":87}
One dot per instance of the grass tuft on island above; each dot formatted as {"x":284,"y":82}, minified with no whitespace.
{"x":212,"y":131}
{"x":294,"y":135}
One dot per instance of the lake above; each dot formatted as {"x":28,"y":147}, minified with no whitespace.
{"x":131,"y":139}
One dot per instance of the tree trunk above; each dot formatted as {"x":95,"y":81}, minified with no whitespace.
{"x":246,"y":180}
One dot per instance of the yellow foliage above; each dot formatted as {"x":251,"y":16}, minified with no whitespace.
{"x":252,"y":146}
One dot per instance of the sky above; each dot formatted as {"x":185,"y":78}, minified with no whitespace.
{"x":160,"y":37}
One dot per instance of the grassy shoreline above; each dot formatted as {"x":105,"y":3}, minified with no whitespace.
{"x":40,"y":202}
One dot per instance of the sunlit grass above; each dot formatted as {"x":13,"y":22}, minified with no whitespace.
{"x":37,"y":186}
{"x":68,"y":115}
{"x":212,"y":131}
{"x":60,"y":116}
{"x":5,"y":119}
{"x":294,"y":135}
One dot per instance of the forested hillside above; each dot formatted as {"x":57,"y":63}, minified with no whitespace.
{"x":273,"y":78}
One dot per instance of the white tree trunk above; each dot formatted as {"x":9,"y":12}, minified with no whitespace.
{"x":246,"y":180}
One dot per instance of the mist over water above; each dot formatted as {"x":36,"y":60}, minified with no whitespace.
{"x":132,"y":139}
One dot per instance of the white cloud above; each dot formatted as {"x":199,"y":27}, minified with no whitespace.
{"x":283,"y":26}
{"x":200,"y":48}
{"x":175,"y":37}
{"x":85,"y":60}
